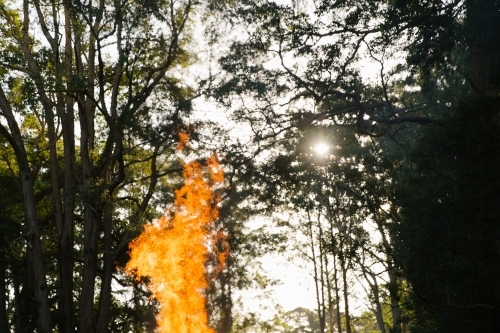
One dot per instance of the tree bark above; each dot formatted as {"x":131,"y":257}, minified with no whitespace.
{"x":34,"y":244}
{"x":4,"y":323}
{"x":17,"y":297}
{"x":91,"y":232}
{"x":87,"y":109}
{"x":394,"y":283}
{"x":337,"y":295}
{"x":343,"y":267}
{"x":66,"y":235}
{"x":226,"y":323}
{"x":317,"y":278}
{"x":394,"y":295}
{"x":108,"y":258}
{"x":376,"y":295}
{"x":331,"y":314}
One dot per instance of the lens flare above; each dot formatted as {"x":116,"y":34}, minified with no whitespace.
{"x":174,"y":252}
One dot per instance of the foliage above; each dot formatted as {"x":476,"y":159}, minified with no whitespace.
{"x":90,"y":110}
{"x":447,"y":241}
{"x":412,"y":155}
{"x":294,"y":78}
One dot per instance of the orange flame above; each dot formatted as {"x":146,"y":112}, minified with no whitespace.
{"x":183,"y":139}
{"x":173,"y":253}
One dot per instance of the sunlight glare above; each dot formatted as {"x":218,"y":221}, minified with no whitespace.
{"x":321,"y":148}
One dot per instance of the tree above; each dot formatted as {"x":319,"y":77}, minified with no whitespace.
{"x":447,"y":241}
{"x":461,"y":34}
{"x":297,"y":70}
{"x":105,"y":68}
{"x":343,"y":210}
{"x":303,"y":68}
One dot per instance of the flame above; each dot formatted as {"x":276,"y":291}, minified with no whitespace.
{"x":174,"y":252}
{"x":183,"y":139}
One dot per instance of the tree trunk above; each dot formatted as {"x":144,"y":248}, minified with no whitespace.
{"x":17,"y":298}
{"x":376,"y":295}
{"x":90,"y":240}
{"x":25,"y":300}
{"x":478,"y":23}
{"x":394,"y":284}
{"x":4,"y":323}
{"x":346,"y":297}
{"x":66,"y":236}
{"x":226,"y":323}
{"x":331,"y":315}
{"x":394,"y":294}
{"x":337,"y":295}
{"x":323,"y":274}
{"x":404,"y":327}
{"x":58,"y":212}
{"x":107,"y":274}
{"x":317,"y":278}
{"x":91,"y":225}
{"x":34,"y":249}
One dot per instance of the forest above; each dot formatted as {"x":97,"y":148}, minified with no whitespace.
{"x":363,"y":133}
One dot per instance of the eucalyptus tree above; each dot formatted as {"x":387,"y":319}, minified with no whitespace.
{"x":98,"y":79}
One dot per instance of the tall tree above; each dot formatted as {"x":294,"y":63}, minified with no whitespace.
{"x":447,"y":242}
{"x":105,"y":68}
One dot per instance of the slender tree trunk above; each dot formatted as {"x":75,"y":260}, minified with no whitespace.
{"x":26,"y":320}
{"x":108,"y":259}
{"x":65,"y":247}
{"x":323,"y":272}
{"x":317,"y":278}
{"x":394,"y":295}
{"x":4,"y":323}
{"x":87,"y":109}
{"x":379,"y":314}
{"x":346,"y":296}
{"x":35,"y":254}
{"x":58,"y":212}
{"x":91,"y":213}
{"x":404,"y":326}
{"x":337,"y":295}
{"x":477,"y":30}
{"x":17,"y":298}
{"x":331,"y":323}
{"x":394,"y":284}
{"x":376,"y":295}
{"x":66,"y":235}
{"x":226,"y":302}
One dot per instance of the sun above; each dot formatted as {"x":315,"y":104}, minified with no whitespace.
{"x":321,"y":148}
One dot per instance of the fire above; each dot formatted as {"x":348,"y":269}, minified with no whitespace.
{"x":174,"y":252}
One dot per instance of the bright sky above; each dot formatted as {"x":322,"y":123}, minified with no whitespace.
{"x":294,"y":289}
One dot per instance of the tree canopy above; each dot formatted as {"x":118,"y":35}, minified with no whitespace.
{"x":401,"y":201}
